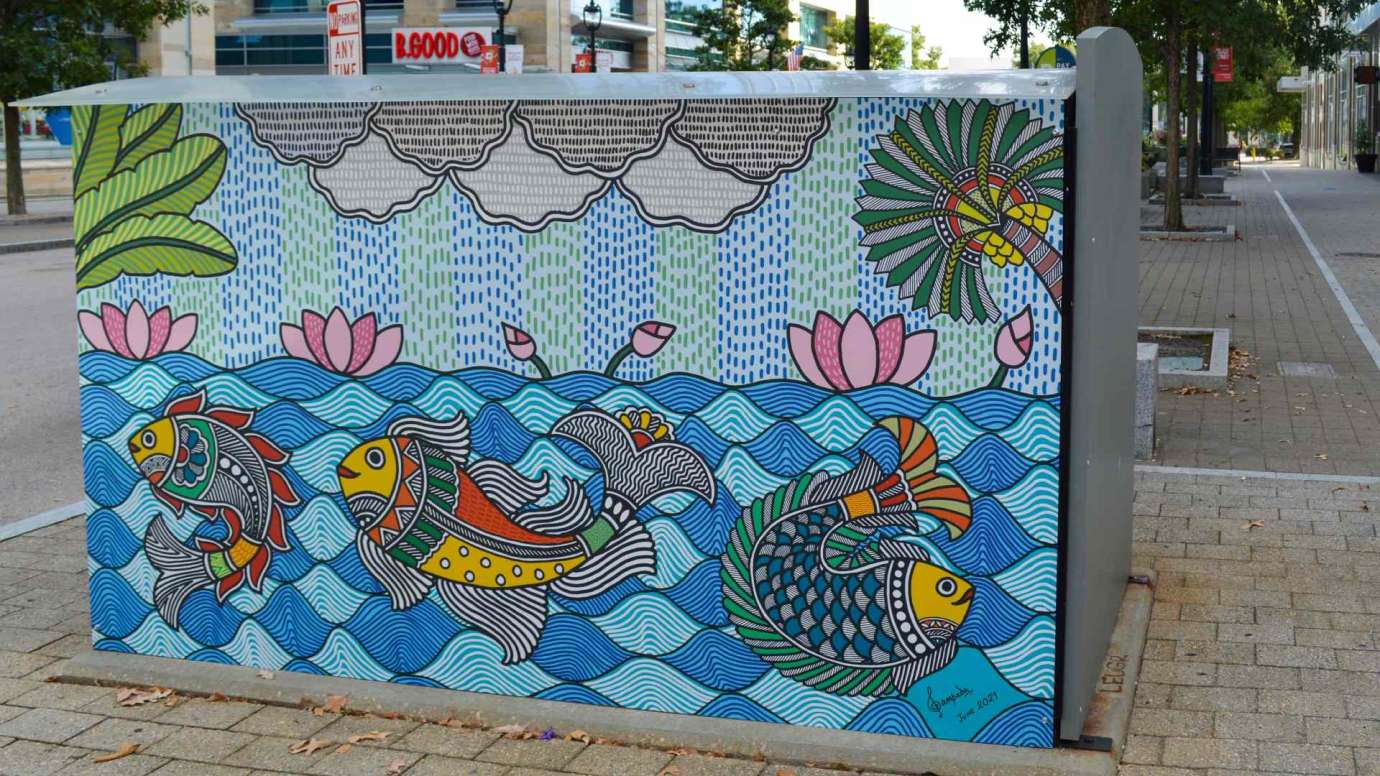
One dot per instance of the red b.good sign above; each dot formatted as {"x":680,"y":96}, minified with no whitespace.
{"x":436,"y":45}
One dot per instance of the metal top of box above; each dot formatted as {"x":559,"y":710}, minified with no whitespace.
{"x":1046,"y":83}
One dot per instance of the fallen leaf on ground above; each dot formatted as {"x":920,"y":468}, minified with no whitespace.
{"x":577,"y":735}
{"x":133,"y":696}
{"x":126,"y":749}
{"x":1321,"y":456}
{"x":333,"y":705}
{"x":216,"y":697}
{"x":308,"y":746}
{"x":343,"y":748}
{"x":173,"y":700}
{"x":396,"y":767}
{"x":670,"y":770}
{"x":784,"y":772}
{"x":372,"y":735}
{"x":1254,"y":524}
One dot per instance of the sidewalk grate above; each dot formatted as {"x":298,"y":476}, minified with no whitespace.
{"x":1311,"y":369}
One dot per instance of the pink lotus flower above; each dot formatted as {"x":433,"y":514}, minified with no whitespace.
{"x":522,"y":347}
{"x":651,"y":336}
{"x":357,"y":349}
{"x":1015,"y":340}
{"x":647,"y":338}
{"x":519,"y":343}
{"x":136,"y":334}
{"x":857,"y":354}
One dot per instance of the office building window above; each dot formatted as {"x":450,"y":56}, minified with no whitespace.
{"x":680,"y":14}
{"x":812,"y":24}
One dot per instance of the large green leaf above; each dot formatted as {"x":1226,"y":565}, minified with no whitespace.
{"x":171,"y":181}
{"x":96,"y":133}
{"x":167,"y":243}
{"x":150,"y":129}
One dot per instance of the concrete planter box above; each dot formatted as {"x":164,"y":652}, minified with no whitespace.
{"x":1214,"y":377}
{"x":1147,"y":390}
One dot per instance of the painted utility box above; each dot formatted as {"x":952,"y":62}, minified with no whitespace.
{"x":735,"y":395}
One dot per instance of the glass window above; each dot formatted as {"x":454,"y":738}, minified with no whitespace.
{"x":581,"y":43}
{"x":680,"y":13}
{"x":812,"y":24}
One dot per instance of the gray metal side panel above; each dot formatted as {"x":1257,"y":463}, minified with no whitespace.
{"x":1002,"y":84}
{"x":1102,"y":385}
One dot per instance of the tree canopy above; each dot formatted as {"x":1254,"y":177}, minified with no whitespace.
{"x":743,"y":35}
{"x":58,"y":44}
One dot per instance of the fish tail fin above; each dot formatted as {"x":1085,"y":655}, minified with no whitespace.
{"x":181,"y":570}
{"x":276,"y":532}
{"x":637,"y":474}
{"x":620,"y":548}
{"x":915,"y":485}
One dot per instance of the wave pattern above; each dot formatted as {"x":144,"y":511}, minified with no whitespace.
{"x":660,"y":642}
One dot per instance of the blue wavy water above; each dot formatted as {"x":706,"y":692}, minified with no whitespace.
{"x":659,"y":642}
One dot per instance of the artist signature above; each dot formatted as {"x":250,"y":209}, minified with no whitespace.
{"x":937,"y":705}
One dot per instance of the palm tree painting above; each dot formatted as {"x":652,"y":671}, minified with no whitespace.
{"x":954,"y":184}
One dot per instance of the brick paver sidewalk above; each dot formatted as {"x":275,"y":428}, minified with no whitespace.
{"x":1262,"y":657}
{"x":48,"y":727}
{"x":1262,"y":654}
{"x":1267,"y":289}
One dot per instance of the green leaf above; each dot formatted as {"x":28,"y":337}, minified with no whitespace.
{"x":142,"y":245}
{"x":96,"y":133}
{"x":150,"y":129}
{"x":171,"y":181}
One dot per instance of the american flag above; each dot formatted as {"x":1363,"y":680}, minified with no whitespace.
{"x":794,"y":56}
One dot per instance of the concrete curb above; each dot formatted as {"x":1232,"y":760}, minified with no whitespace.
{"x":41,"y":218}
{"x":1109,"y":715}
{"x":1206,"y":234}
{"x":41,"y":520}
{"x":35,"y":245}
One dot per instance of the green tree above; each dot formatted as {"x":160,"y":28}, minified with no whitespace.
{"x":743,"y":35}
{"x":1250,"y":105}
{"x":922,"y":58}
{"x":57,"y":44}
{"x":886,"y":48}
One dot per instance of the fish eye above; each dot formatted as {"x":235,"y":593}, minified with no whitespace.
{"x":946,"y":587}
{"x":374,"y":457}
{"x":147,"y":439}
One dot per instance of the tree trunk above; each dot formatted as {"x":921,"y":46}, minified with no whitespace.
{"x":14,"y":173}
{"x":1173,"y":58}
{"x":1190,"y":99}
{"x":1091,"y":13}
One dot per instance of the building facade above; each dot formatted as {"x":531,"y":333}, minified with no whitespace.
{"x":1335,"y":106}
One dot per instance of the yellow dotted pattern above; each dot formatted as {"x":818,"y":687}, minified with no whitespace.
{"x":460,"y":561}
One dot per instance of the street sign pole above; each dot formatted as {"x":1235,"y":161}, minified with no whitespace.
{"x":363,"y":37}
{"x":1206,"y":149}
{"x":862,"y":36}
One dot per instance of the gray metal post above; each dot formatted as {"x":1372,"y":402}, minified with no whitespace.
{"x":1102,"y":379}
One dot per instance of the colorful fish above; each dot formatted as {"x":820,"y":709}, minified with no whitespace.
{"x":429,"y":517}
{"x":815,"y":590}
{"x":205,"y":459}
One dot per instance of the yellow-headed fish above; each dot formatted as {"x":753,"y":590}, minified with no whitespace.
{"x":429,"y":517}
{"x":814,"y":590}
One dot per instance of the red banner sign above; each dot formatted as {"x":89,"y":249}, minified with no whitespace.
{"x":1221,"y":64}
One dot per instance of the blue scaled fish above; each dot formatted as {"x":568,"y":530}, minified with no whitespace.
{"x":815,"y":590}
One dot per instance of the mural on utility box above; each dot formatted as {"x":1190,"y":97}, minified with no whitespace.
{"x":744,"y":408}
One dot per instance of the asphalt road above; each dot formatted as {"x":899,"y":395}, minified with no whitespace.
{"x":40,"y":437}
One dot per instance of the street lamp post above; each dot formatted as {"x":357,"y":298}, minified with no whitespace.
{"x":502,"y":7}
{"x":593,"y":14}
